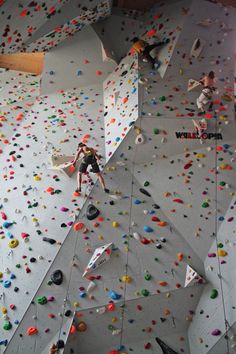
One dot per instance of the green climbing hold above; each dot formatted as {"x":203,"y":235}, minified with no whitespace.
{"x":214,"y":294}
{"x":222,"y":183}
{"x":145,"y":292}
{"x":7,"y":325}
{"x":156,"y":131}
{"x":147,"y":276}
{"x":162,"y":98}
{"x":220,"y":245}
{"x":146,"y":184}
{"x":110,"y":327}
{"x":205,"y":205}
{"x":42,"y":300}
{"x":18,"y":265}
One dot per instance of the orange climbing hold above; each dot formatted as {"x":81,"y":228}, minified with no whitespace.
{"x":82,"y":327}
{"x":78,"y":226}
{"x":163,"y":283}
{"x":32,"y":331}
{"x":72,"y":329}
{"x":180,"y":256}
{"x":162,"y":223}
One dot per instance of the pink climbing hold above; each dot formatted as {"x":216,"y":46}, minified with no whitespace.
{"x":216,"y":332}
{"x":64,"y":209}
{"x":98,"y":72}
{"x":211,"y":255}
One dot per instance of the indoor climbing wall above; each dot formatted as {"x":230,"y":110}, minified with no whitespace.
{"x":16,"y":86}
{"x":149,"y":265}
{"x":20,"y":21}
{"x":120,"y":27}
{"x":60,"y":33}
{"x":37,"y":203}
{"x":77,"y":62}
{"x":41,"y":25}
{"x":120,"y":102}
{"x":146,"y":258}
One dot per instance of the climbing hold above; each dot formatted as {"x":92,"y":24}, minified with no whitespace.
{"x":57,"y":277}
{"x":147,"y":276}
{"x":177,"y":200}
{"x":146,"y":184}
{"x":49,"y":240}
{"x":78,"y":226}
{"x":92,"y":212}
{"x":13,"y":243}
{"x":139,"y":139}
{"x":214,"y":294}
{"x":163,"y":283}
{"x":222,"y":253}
{"x":147,"y":229}
{"x":7,"y":325}
{"x":180,"y":256}
{"x":156,"y":131}
{"x":113,"y":295}
{"x":126,"y":279}
{"x":115,"y":224}
{"x":205,"y":205}
{"x":145,"y":292}
{"x":31,"y":331}
{"x":42,"y":300}
{"x":216,"y":332}
{"x":144,"y":191}
{"x":82,"y":327}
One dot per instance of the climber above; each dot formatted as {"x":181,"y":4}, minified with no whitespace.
{"x":90,"y":157}
{"x":208,"y":82}
{"x":144,"y":48}
{"x":53,"y":349}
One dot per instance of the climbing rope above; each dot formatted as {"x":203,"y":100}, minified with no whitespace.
{"x":216,"y":239}
{"x":129,"y":232}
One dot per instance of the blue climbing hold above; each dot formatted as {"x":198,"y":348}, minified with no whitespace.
{"x":147,"y":228}
{"x":137,"y":201}
{"x":113,"y":295}
{"x":7,"y":284}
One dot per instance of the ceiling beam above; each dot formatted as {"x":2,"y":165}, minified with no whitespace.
{"x":26,"y":62}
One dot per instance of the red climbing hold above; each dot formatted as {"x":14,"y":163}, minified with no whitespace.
{"x":177,"y":200}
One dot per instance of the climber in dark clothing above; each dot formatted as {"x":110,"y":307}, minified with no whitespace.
{"x":143,"y":48}
{"x":90,"y":158}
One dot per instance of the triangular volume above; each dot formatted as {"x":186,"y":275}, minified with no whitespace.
{"x":192,"y":277}
{"x":165,"y":348}
{"x":101,"y":255}
{"x":62,"y":163}
{"x":107,"y":55}
{"x":194,"y":85}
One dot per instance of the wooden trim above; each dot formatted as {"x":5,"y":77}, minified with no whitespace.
{"x":26,"y":62}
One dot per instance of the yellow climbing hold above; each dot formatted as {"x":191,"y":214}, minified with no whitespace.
{"x":200,"y":156}
{"x":37,"y":178}
{"x":4,"y":310}
{"x":1,"y":274}
{"x":114,"y":319}
{"x":222,"y":253}
{"x":115,"y":224}
{"x":13,"y":243}
{"x":100,"y":237}
{"x":126,"y":279}
{"x":137,"y":130}
{"x":76,"y":304}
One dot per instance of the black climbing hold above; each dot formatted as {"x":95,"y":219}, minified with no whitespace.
{"x":68,"y":313}
{"x":49,"y":240}
{"x":155,"y":206}
{"x":57,"y":277}
{"x":32,"y":260}
{"x":92,"y":212}
{"x":142,"y":190}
